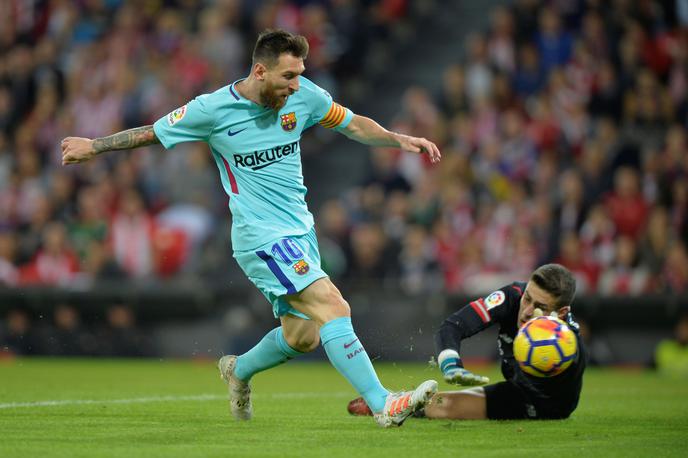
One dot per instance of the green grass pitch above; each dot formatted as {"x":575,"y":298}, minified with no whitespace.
{"x":153,"y":408}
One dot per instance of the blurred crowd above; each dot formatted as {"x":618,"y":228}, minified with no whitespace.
{"x":563,"y":134}
{"x":67,"y":332}
{"x":562,"y":127}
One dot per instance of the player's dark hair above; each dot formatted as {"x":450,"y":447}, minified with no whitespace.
{"x":556,"y":280}
{"x":273,"y":43}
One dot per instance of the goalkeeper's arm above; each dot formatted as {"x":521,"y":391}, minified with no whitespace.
{"x":458,"y":326}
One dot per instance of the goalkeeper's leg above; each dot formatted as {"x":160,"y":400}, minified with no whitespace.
{"x":467,"y":404}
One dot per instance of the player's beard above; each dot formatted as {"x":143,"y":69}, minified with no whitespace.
{"x":270,"y":98}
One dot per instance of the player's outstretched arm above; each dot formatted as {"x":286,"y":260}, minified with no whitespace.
{"x":365,"y":130}
{"x":79,"y":149}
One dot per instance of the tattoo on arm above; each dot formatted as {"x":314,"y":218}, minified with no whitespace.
{"x":127,"y":139}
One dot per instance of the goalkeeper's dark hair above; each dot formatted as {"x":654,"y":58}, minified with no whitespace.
{"x":558,"y":281}
{"x":273,"y":43}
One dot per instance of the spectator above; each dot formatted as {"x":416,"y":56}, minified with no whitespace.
{"x":453,"y":98}
{"x":626,"y":204}
{"x":529,"y":77}
{"x":31,"y":233}
{"x":570,"y":211}
{"x":571,"y":257}
{"x":9,"y":274}
{"x":554,"y":44}
{"x":90,"y":225}
{"x":500,"y":45}
{"x":597,"y":237}
{"x":121,"y":336}
{"x":18,"y":337}
{"x":370,"y":259}
{"x":606,"y":95}
{"x":518,"y":153}
{"x":654,"y":247}
{"x":675,"y":272}
{"x":132,"y":232}
{"x":624,"y":277}
{"x":55,"y":263}
{"x":418,"y":267}
{"x":333,"y":237}
{"x":478,"y":74}
{"x":67,"y":336}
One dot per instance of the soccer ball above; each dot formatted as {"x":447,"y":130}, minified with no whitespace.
{"x":545,"y":347}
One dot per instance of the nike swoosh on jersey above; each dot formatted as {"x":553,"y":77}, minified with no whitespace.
{"x":350,"y":343}
{"x":231,"y":134}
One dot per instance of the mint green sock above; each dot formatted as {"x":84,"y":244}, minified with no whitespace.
{"x":347,"y":355}
{"x":271,"y":351}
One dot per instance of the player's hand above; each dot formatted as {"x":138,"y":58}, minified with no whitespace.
{"x":420,"y":146}
{"x":76,"y":150}
{"x":464,"y":377}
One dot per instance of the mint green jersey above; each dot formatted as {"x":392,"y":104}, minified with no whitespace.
{"x":258,"y":154}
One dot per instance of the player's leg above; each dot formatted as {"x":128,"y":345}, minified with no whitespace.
{"x":467,"y":404}
{"x":300,"y":334}
{"x":282,"y":266}
{"x":294,"y":337}
{"x":323,"y":303}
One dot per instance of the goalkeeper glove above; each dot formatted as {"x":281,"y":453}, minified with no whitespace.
{"x":461,"y":376}
{"x":454,"y":373}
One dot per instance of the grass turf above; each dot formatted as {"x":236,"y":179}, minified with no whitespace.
{"x":151,"y":408}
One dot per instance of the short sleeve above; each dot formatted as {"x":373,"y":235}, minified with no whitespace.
{"x":324,"y":110}
{"x":190,"y":122}
{"x":337,"y":117}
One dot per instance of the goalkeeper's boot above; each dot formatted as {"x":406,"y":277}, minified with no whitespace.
{"x":239,"y":391}
{"x":399,"y":406}
{"x":359,"y":407}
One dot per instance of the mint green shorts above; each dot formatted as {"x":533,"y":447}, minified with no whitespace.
{"x":284,"y":266}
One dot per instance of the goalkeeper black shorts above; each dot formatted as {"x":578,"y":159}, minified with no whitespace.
{"x":505,"y":401}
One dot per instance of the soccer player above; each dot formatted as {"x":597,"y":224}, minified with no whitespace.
{"x":549,"y":291}
{"x":253,"y":127}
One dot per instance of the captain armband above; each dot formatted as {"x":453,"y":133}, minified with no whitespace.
{"x":334,"y":116}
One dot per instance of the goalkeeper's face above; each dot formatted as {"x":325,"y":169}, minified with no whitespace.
{"x":538,"y":302}
{"x":280,"y":81}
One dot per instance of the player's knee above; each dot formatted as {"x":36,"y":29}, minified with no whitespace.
{"x":331,"y":300}
{"x":305,"y":342}
{"x":307,"y":345}
{"x":338,"y":303}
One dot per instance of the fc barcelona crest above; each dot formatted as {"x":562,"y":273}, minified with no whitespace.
{"x":288,"y":121}
{"x":301,"y":267}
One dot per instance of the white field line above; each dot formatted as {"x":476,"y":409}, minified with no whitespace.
{"x":151,"y":399}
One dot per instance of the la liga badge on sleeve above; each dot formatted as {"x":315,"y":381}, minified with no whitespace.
{"x":176,"y":116}
{"x":495,"y":299}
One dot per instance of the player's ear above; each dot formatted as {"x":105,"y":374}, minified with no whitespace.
{"x":259,"y":71}
{"x":562,"y":312}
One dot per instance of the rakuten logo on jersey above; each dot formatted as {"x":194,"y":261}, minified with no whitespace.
{"x":260,"y":159}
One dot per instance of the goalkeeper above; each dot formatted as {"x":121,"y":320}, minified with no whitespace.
{"x":549,"y":291}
